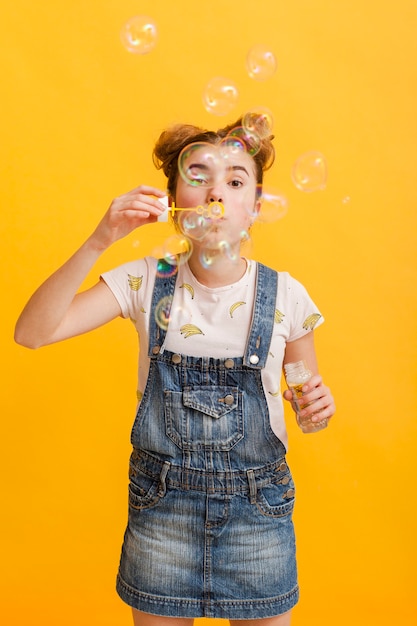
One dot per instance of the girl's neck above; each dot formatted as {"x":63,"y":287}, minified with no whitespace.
{"x":220,"y":273}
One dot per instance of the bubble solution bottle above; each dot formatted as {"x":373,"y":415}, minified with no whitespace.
{"x":296,"y":375}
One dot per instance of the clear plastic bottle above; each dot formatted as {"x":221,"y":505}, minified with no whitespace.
{"x":296,"y":375}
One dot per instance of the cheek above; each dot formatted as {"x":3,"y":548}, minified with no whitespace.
{"x":187,"y":197}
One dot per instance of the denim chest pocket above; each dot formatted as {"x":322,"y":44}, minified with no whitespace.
{"x":204,"y":417}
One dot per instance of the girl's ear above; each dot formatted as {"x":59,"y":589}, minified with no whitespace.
{"x":256,"y":210}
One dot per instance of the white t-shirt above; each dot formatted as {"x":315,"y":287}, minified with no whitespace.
{"x":215,"y":322}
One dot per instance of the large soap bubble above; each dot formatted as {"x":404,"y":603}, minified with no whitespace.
{"x":139,"y":34}
{"x":261,"y":63}
{"x":214,"y":253}
{"x":194,"y":225}
{"x":220,"y":96}
{"x":274,"y":205}
{"x":199,"y":164}
{"x":309,"y":172}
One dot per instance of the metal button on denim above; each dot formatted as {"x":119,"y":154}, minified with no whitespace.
{"x":229,"y":363}
{"x":282,"y":467}
{"x":229,"y":399}
{"x":176,"y":358}
{"x":254,"y":359}
{"x":155,"y":350}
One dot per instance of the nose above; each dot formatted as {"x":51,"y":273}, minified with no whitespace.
{"x":214,"y":193}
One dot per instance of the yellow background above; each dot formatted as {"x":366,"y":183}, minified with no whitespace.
{"x":79,"y":116}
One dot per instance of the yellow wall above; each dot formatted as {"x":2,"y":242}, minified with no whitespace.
{"x":79,"y":118}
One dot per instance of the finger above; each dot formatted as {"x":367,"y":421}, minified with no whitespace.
{"x":141,"y":205}
{"x":148,"y":190}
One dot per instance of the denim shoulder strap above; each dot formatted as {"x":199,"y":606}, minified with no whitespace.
{"x":163,"y":292}
{"x":262,"y":326}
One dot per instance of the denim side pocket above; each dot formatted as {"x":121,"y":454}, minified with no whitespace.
{"x":144,"y":490}
{"x":277,"y":499}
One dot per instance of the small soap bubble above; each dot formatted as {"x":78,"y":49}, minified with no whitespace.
{"x":309,"y":172}
{"x":177,"y":249}
{"x":259,"y":121}
{"x":139,"y":34}
{"x":216,"y":209}
{"x":165,"y":269}
{"x":163,"y":312}
{"x":199,"y":163}
{"x":207,"y":258}
{"x":261,"y":63}
{"x":220,"y":96}
{"x":226,"y":250}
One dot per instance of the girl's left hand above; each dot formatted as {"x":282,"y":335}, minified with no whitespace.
{"x":319,"y":395}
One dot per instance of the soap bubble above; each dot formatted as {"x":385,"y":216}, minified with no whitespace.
{"x":193,"y":225}
{"x":163,"y":312}
{"x":272,"y":206}
{"x":259,"y":121}
{"x":226,"y":250}
{"x":139,"y":34}
{"x":246,"y":244}
{"x":207,"y":258}
{"x":216,"y":252}
{"x":229,"y":147}
{"x":175,"y":251}
{"x":167,"y":313}
{"x":215,"y":210}
{"x":261,"y":63}
{"x":251,"y":141}
{"x":309,"y":172}
{"x":165,"y":269}
{"x":220,"y":96}
{"x":198,"y":163}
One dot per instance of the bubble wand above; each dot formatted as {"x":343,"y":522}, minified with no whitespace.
{"x":214,"y":210}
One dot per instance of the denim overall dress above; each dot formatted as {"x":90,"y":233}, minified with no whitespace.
{"x":210,"y":530}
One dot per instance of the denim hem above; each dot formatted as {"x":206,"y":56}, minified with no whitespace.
{"x":220,"y":609}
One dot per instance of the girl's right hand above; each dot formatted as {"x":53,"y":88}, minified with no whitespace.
{"x":126,"y":213}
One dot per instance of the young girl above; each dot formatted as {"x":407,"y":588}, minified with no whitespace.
{"x":211,"y":496}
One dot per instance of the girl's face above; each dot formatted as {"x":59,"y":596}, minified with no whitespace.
{"x":229,"y":178}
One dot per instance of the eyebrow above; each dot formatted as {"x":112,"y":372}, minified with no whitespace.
{"x":203,"y":167}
